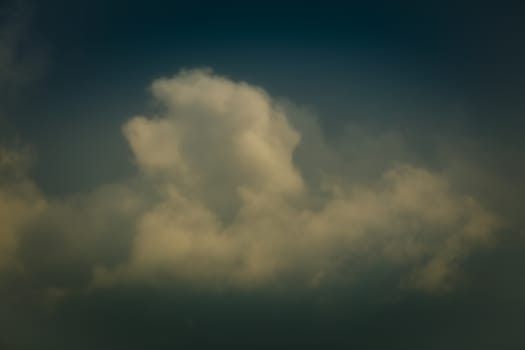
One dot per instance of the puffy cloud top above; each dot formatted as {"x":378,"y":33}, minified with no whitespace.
{"x":216,"y":134}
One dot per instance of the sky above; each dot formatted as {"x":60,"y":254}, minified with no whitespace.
{"x":262,"y":175}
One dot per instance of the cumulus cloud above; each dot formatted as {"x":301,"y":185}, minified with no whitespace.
{"x":224,"y":199}
{"x":218,"y":140}
{"x":233,"y":206}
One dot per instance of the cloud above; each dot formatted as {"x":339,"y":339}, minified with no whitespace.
{"x":20,"y":202}
{"x":233,"y":208}
{"x":224,"y":198}
{"x":234,"y":190}
{"x":218,"y":140}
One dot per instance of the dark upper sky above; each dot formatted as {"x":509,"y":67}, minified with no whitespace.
{"x":437,"y":85}
{"x":301,"y":50}
{"x":377,"y":63}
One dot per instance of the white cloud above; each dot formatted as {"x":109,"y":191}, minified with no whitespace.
{"x":234,"y":209}
{"x":221,"y":200}
{"x":214,"y":129}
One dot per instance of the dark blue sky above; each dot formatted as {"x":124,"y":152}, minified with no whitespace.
{"x":381,"y":64}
